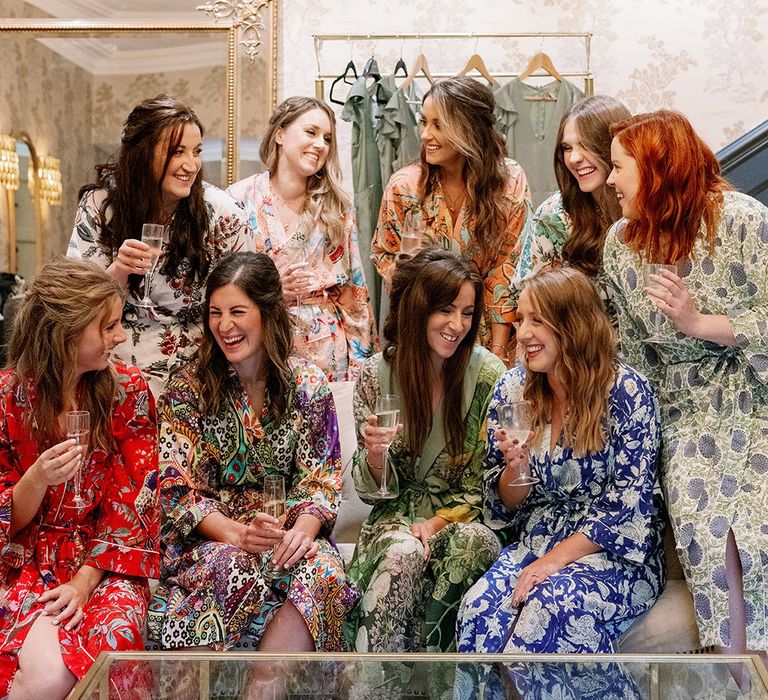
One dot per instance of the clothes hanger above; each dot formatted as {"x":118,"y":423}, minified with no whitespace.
{"x":540,"y":61}
{"x":345,"y":77}
{"x":420,"y":65}
{"x":476,"y":62}
{"x":400,"y":65}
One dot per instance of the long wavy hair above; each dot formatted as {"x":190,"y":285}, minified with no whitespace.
{"x":134,"y":194}
{"x":568,"y":303}
{"x":326,"y":201}
{"x":421,"y":286}
{"x":257,"y":277}
{"x":591,"y":216}
{"x":465,"y":108}
{"x":64,"y":298}
{"x":680,"y":186}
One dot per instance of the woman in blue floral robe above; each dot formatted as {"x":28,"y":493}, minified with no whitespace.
{"x":586,"y":558}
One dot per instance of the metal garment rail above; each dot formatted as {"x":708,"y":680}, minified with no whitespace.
{"x":585,"y":73}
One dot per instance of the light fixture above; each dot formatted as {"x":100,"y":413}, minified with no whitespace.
{"x":48,"y":178}
{"x":9,"y":163}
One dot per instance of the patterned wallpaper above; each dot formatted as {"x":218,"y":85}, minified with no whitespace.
{"x":706,"y":58}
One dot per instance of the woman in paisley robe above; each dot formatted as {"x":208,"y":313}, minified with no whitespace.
{"x":241,"y":409}
{"x":418,"y":552}
{"x":74,"y":578}
{"x":586,"y":557}
{"x":710,"y":367}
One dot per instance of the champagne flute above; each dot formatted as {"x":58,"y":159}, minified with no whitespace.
{"x":387,"y":415}
{"x":153,"y":235}
{"x":78,"y":426}
{"x":515,"y":419}
{"x":274,"y":505}
{"x":657,"y":317}
{"x":293,"y":252}
{"x":411,"y":240}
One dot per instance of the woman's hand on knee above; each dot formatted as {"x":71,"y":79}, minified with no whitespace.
{"x":423,"y":531}
{"x":263,"y":533}
{"x":532,"y":575}
{"x":294,"y":546}
{"x":65,"y":604}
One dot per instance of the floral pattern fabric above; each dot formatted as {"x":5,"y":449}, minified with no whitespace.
{"x":407,"y":605}
{"x":541,"y":247}
{"x":117,"y":532}
{"x":160,"y":339}
{"x":337,"y":330}
{"x":714,"y":403}
{"x":439,"y":229}
{"x":608,"y":496}
{"x":214,"y":593}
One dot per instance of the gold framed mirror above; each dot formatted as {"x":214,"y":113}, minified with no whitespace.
{"x":74,"y":83}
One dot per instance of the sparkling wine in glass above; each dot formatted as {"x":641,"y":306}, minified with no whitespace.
{"x":658,"y":319}
{"x":388,"y":416}
{"x":153,"y":235}
{"x":411,"y":240}
{"x":274,"y":505}
{"x":515,"y":419}
{"x":293,"y":252}
{"x":78,"y":426}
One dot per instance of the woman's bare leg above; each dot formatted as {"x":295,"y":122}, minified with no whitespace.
{"x":287,"y":631}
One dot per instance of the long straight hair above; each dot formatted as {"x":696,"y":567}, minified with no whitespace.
{"x":465,"y":108}
{"x":134,"y":194}
{"x":421,"y":286}
{"x":592,"y":118}
{"x":326,"y":201}
{"x":256,"y":276}
{"x":64,"y":298}
{"x":569,"y":305}
{"x":680,"y":186}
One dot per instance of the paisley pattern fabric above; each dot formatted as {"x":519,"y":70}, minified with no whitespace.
{"x":214,"y":593}
{"x":608,"y":496}
{"x":438,"y":228}
{"x":118,"y":531}
{"x":541,"y":247}
{"x":714,"y":403}
{"x":162,"y":338}
{"x":336,"y":327}
{"x":407,"y":604}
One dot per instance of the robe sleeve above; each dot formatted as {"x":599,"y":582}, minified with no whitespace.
{"x":620,"y":519}
{"x":84,"y":242}
{"x":316,"y":485}
{"x":126,"y":537}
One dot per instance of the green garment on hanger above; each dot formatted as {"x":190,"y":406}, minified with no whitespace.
{"x":398,"y":130}
{"x":529,"y":128}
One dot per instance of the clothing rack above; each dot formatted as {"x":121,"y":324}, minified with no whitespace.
{"x":585,"y":73}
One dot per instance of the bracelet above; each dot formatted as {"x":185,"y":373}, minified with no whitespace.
{"x":503,"y":347}
{"x":371,"y":466}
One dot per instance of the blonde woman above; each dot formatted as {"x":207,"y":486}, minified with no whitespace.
{"x":586,"y":558}
{"x":302,"y":219}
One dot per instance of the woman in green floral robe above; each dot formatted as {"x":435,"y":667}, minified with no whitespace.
{"x":419,"y":552}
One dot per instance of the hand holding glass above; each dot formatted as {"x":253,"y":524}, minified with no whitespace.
{"x":78,"y":426}
{"x":388,"y":416}
{"x":411,"y":239}
{"x":274,"y":505}
{"x":658,"y":319}
{"x":515,"y":420}
{"x":154,"y":236}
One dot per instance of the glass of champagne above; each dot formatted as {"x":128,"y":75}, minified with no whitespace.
{"x":78,"y":426}
{"x":411,"y":240}
{"x":154,"y":236}
{"x":657,"y":317}
{"x":515,"y":419}
{"x":274,"y":505}
{"x":295,"y":251}
{"x":388,"y":416}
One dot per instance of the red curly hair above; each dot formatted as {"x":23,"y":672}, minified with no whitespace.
{"x":680,"y":185}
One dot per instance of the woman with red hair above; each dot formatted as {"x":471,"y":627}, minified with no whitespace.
{"x":700,"y":333}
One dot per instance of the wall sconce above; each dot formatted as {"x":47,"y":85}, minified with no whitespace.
{"x":48,"y":178}
{"x":9,"y":163}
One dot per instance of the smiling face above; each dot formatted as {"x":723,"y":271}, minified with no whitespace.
{"x":438,"y":150}
{"x":305,"y":143}
{"x":235,"y":322}
{"x":99,"y":338}
{"x":535,"y":337}
{"x":183,"y":167}
{"x":624,"y":178}
{"x":584,"y":165}
{"x":447,"y":327}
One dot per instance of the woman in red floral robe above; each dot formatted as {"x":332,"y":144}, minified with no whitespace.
{"x":74,"y":580}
